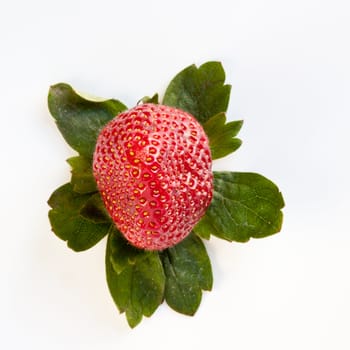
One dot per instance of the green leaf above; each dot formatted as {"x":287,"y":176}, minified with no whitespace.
{"x":124,"y":254}
{"x":244,"y":205}
{"x":82,"y":178}
{"x":139,"y":288}
{"x":188,"y":271}
{"x":94,"y":210}
{"x":221,"y":135}
{"x":154,"y":99}
{"x":68,"y":224}
{"x":78,"y":119}
{"x":199,"y":91}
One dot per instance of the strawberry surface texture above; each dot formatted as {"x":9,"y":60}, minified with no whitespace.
{"x":152,"y":165}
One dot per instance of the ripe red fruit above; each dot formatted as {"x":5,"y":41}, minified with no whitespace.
{"x":152,"y":165}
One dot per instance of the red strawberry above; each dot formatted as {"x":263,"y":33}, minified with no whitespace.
{"x":152,"y":165}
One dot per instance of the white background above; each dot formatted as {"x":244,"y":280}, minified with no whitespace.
{"x":288,"y":63}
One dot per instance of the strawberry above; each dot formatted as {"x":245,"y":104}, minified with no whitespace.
{"x":152,"y":166}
